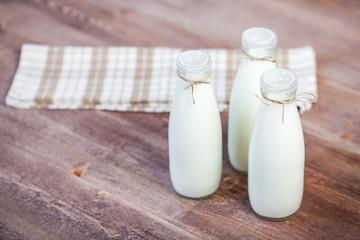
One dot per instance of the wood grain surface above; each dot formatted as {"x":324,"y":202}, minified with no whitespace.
{"x":104,"y":175}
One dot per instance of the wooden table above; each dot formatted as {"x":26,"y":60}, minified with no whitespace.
{"x":123,"y":190}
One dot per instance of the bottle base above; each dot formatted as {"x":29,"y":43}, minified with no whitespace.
{"x":274,"y":219}
{"x":240,"y":171}
{"x":195,"y":198}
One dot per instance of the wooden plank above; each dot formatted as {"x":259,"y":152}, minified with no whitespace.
{"x":77,"y":205}
{"x":111,"y":176}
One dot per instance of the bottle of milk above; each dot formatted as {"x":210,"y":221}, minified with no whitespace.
{"x":258,"y":45}
{"x":195,"y":135}
{"x":276,"y":152}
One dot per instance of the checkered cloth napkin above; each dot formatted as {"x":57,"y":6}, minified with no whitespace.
{"x":129,"y":78}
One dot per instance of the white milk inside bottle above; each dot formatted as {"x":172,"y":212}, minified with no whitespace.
{"x":276,"y":152}
{"x":195,"y":135}
{"x":258,"y":44}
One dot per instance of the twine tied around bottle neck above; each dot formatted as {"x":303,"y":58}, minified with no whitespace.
{"x":287,"y":101}
{"x":253,"y":58}
{"x":192,"y":83}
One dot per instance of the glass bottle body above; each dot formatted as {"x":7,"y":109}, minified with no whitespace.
{"x":244,"y":105}
{"x":195,"y":139}
{"x":276,"y":158}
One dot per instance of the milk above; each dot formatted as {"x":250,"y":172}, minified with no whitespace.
{"x":243,"y":108}
{"x":195,"y":136}
{"x":276,"y":156}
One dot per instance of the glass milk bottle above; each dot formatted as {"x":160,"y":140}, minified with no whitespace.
{"x":195,"y":135}
{"x":258,"y":45}
{"x":276,"y":152}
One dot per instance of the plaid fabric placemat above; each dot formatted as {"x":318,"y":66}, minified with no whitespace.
{"x":128,"y":78}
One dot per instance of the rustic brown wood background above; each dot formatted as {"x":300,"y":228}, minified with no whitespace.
{"x":124,"y":189}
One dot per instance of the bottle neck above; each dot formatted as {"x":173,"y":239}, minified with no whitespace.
{"x":195,"y":76}
{"x":258,"y":52}
{"x":278,"y":96}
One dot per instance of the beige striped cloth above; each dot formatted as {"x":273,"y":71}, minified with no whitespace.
{"x":128,"y":78}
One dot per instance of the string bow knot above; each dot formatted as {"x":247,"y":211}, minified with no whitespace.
{"x":287,"y":101}
{"x":192,"y":83}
